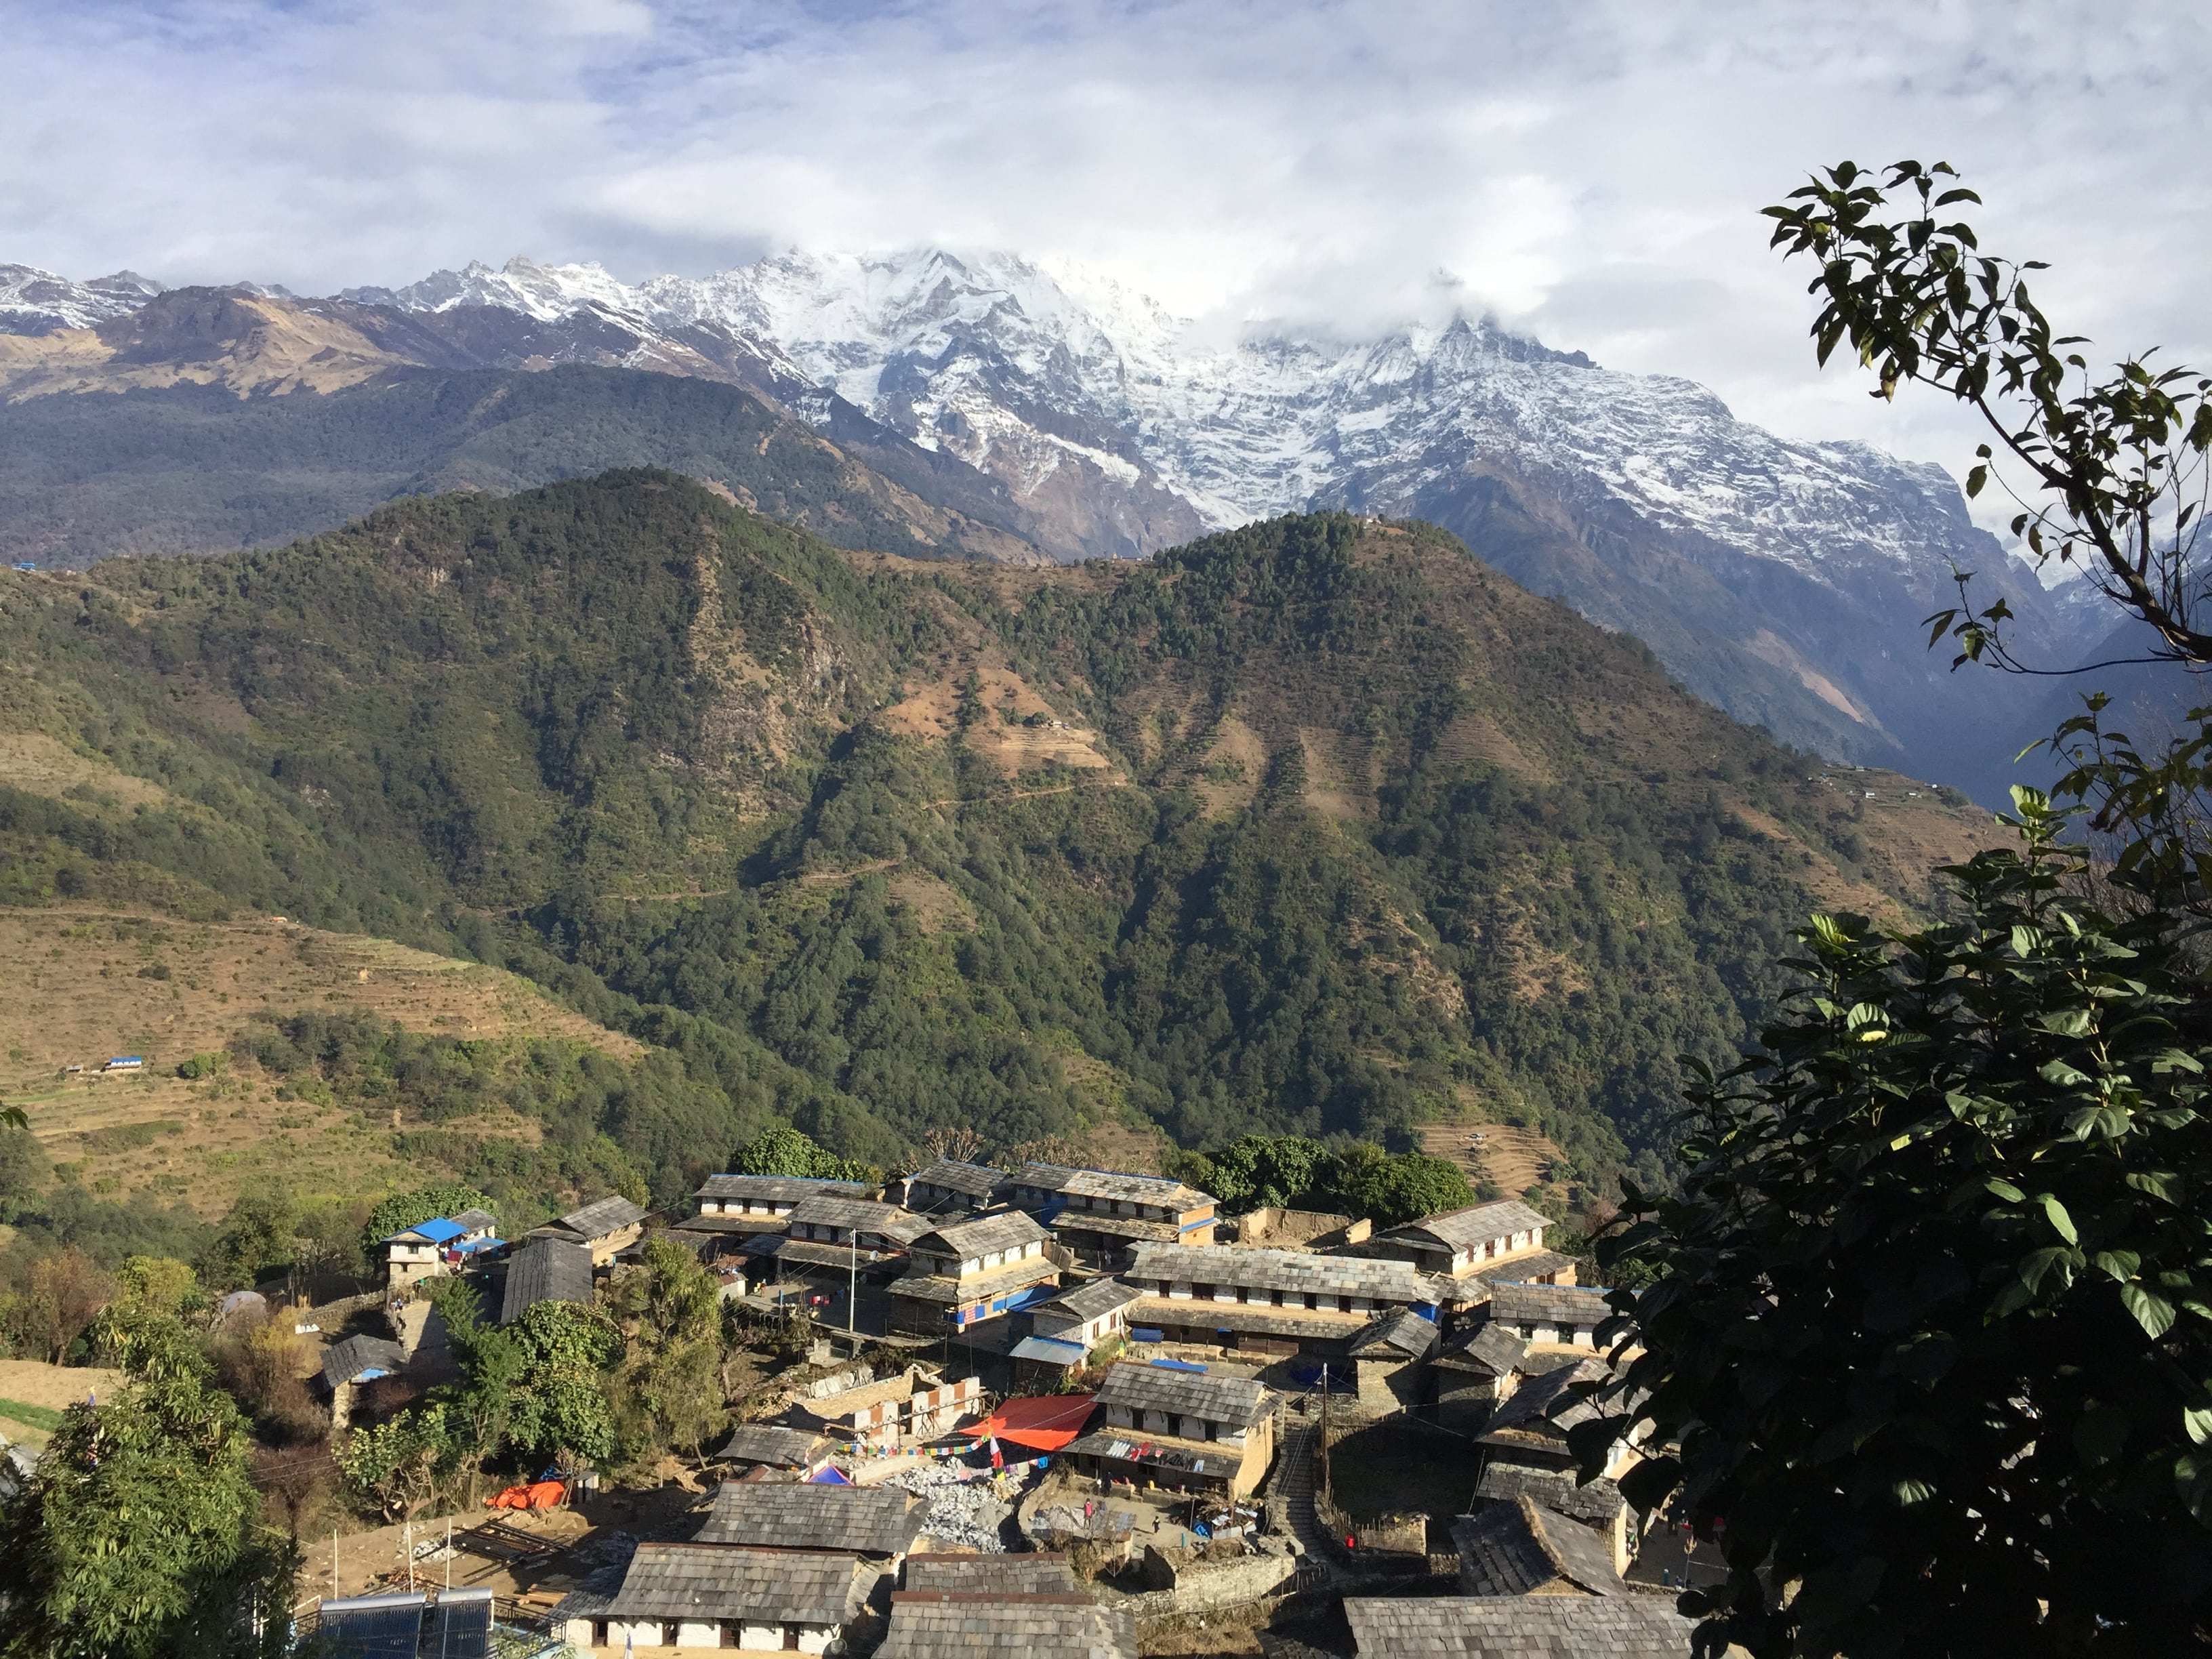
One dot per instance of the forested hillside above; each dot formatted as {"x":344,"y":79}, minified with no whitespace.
{"x":1320,"y":825}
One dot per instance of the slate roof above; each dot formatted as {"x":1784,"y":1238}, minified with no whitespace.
{"x":1043,"y":1573}
{"x":764,"y":1443}
{"x":1516,"y":1547}
{"x":970,"y":1180}
{"x":1549,"y":1305}
{"x":841,"y":1210}
{"x":599,"y":1218}
{"x":929,"y":1627}
{"x":473,"y":1220}
{"x":1477,"y":1224}
{"x":1488,"y":1350}
{"x":1239,"y":1401}
{"x":990,"y":1283}
{"x":1530,"y":1406}
{"x":771,"y":1189}
{"x":871,"y":1520}
{"x":1525,"y":1268}
{"x":1400,"y":1335}
{"x":1379,"y":1278}
{"x":546,"y":1270}
{"x":1111,"y":1184}
{"x":1131,"y":1227}
{"x":1008,"y":1229}
{"x":344,"y":1361}
{"x":706,"y":1582}
{"x":1516,"y":1627}
{"x":1089,"y":1299}
{"x":1502,"y":1481}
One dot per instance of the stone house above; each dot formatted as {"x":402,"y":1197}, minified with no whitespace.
{"x":712,"y":1595}
{"x":347,"y":1364}
{"x":967,"y":1272}
{"x":1473,"y":1373}
{"x":1270,"y":1301}
{"x":545,"y":1270}
{"x":875,"y":1524}
{"x":749,"y":1204}
{"x":765,"y":1451}
{"x":1523,"y":1451}
{"x":1066,"y":1331}
{"x":604,"y":1227}
{"x":1568,"y":1315}
{"x":949,"y":1186}
{"x":1178,"y":1427}
{"x":836,"y":1234}
{"x":1390,"y":1359}
{"x":1104,"y":1215}
{"x":1002,"y":1607}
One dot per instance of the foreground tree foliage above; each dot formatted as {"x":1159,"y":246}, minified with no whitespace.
{"x":137,"y":1535}
{"x":1927,"y":1342}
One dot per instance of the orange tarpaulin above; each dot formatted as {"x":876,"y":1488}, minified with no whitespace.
{"x":538,"y":1495}
{"x":1045,"y":1424}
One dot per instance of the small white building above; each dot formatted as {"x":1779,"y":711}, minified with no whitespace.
{"x":715,"y":1595}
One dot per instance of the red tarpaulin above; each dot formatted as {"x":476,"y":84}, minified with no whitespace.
{"x":1045,"y":1424}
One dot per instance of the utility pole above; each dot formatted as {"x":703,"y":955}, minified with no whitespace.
{"x":853,"y":1292}
{"x":410,"y":1552}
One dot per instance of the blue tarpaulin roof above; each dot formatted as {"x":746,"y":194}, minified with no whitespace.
{"x":1177,"y":1365}
{"x":827,"y":1475}
{"x":439,"y":1231}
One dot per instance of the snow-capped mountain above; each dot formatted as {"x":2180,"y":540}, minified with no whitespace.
{"x":34,"y":301}
{"x":1784,"y":580}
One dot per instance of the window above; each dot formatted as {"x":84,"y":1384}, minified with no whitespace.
{"x":1203,"y":1292}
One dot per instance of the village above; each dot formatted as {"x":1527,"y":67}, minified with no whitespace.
{"x":1055,"y":1410}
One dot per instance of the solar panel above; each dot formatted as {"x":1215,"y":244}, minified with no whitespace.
{"x":458,"y":1627}
{"x":370,"y":1627}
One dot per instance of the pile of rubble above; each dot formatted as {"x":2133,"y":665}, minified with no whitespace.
{"x":968,"y":1508}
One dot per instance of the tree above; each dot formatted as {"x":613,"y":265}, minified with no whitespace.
{"x":2118,"y":465}
{"x":1930,"y":1321}
{"x":137,"y":1536}
{"x":396,"y":1465}
{"x":24,"y":1165}
{"x":492,"y":1362}
{"x":559,"y":1401}
{"x":671,"y":1307}
{"x":64,"y":1295}
{"x":155,"y":1285}
{"x":255,"y":1235}
{"x":1390,"y":1189}
{"x":789,"y":1152}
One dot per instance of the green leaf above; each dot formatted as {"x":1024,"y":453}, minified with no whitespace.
{"x":2006,"y":1190}
{"x":2151,"y":1311}
{"x":2198,"y":1419}
{"x":2122,"y":1265}
{"x":2061,"y":1223}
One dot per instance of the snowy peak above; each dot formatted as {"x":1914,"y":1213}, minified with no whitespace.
{"x":34,"y":301}
{"x":546,"y":293}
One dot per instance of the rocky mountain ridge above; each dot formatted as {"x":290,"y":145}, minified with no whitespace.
{"x":1785,"y":581}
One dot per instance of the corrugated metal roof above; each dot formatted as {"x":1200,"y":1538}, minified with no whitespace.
{"x":436,"y":1230}
{"x":1515,"y":1627}
{"x":546,"y":1270}
{"x":1239,"y":1401}
{"x":708,"y":1582}
{"x":873,"y":1520}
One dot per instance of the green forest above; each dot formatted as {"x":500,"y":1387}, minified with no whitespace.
{"x":1476,"y":859}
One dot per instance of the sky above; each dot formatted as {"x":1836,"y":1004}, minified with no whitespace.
{"x":1590,"y":174}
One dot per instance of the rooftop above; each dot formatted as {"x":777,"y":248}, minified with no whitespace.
{"x":992,"y":1282}
{"x":436,"y":1230}
{"x":1549,"y":1305}
{"x":607,"y":1215}
{"x":476,"y":1221}
{"x":707,"y":1581}
{"x":1516,"y":1627}
{"x":1477,"y":1224}
{"x":783,"y":1449}
{"x":1545,"y":1404}
{"x":1008,"y":1229}
{"x":1044,"y":1573}
{"x":1110,"y":1183}
{"x":1519,"y":1545}
{"x":871,"y":1520}
{"x":1239,"y":1401}
{"x":546,"y":1270}
{"x":970,"y":1179}
{"x":1502,"y":1482}
{"x":771,"y":1189}
{"x":1379,"y":1279}
{"x":1402,"y":1333}
{"x":1090,"y":1299}
{"x":1525,"y":1268}
{"x":1491,"y":1350}
{"x":861,"y":1214}
{"x":346,"y":1361}
{"x":931,"y":1626}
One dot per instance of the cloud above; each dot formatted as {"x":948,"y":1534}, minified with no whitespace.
{"x":1591,"y":174}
